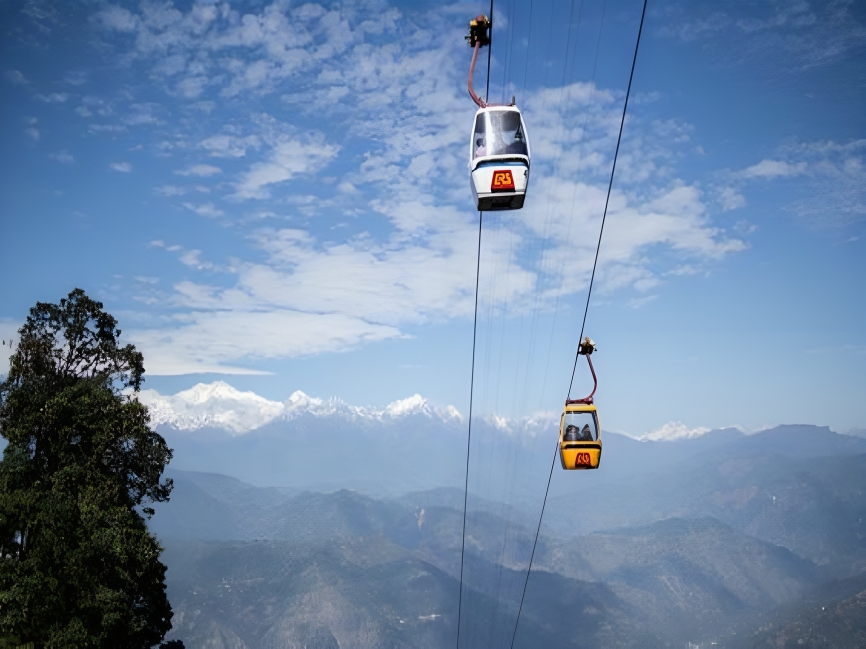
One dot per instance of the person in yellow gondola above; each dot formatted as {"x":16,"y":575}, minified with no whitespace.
{"x":576,"y":434}
{"x":579,"y":430}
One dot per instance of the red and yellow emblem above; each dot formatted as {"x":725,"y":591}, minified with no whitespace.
{"x":582,"y":459}
{"x":503,"y":181}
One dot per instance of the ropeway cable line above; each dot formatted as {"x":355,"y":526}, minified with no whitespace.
{"x":489,"y":35}
{"x":582,"y":346}
{"x":499,"y":155}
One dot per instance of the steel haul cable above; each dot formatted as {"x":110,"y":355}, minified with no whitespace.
{"x":585,"y":311}
{"x":472,"y":374}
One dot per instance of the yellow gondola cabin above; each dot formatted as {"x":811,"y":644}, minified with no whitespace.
{"x":579,"y":437}
{"x":579,"y":431}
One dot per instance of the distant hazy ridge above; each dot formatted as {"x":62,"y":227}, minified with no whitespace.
{"x":687,"y":541}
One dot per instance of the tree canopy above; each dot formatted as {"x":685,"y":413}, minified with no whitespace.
{"x":78,"y":567}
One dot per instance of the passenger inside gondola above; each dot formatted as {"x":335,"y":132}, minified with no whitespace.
{"x":500,"y":133}
{"x":580,"y":427}
{"x":575,"y":434}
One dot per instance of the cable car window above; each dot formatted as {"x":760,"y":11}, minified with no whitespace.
{"x":479,"y":144}
{"x":499,"y":133}
{"x":505,"y":133}
{"x":580,"y":427}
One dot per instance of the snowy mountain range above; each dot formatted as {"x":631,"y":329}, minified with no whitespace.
{"x":310,"y":443}
{"x":306,"y":442}
{"x":221,"y":406}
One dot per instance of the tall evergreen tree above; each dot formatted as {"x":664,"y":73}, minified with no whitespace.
{"x":78,"y":567}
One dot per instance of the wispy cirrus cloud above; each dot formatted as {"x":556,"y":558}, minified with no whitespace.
{"x":205,"y":209}
{"x":788,"y":36}
{"x":200,"y":170}
{"x":773,"y":169}
{"x":63,"y":157}
{"x":830,"y":186}
{"x":16,"y":77}
{"x":288,"y":158}
{"x":214,"y":341}
{"x":229,"y":146}
{"x":378,"y":116}
{"x":54,"y":97}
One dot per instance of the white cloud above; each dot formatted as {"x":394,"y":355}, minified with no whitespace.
{"x":215,"y":341}
{"x":287,"y":159}
{"x":106,"y":128}
{"x":730,"y":198}
{"x":402,"y":95}
{"x":836,"y":192}
{"x":14,"y":76}
{"x":54,"y":97}
{"x":206,"y":209}
{"x":76,"y":77}
{"x":161,"y":244}
{"x":214,"y":45}
{"x":832,"y":189}
{"x":783,"y":36}
{"x":230,"y":146}
{"x":638,"y":302}
{"x":117,"y":18}
{"x":685,"y":269}
{"x":32,"y":133}
{"x":170,"y":190}
{"x":140,"y":114}
{"x":124,"y":167}
{"x":199,"y":170}
{"x":380,"y":283}
{"x":64,"y":157}
{"x":743,"y":227}
{"x":773,"y":169}
{"x":192,"y":258}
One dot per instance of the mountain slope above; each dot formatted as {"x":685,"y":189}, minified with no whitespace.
{"x":694,"y":576}
{"x":674,"y":580}
{"x":810,"y":501}
{"x":832,"y":615}
{"x":362,"y":593}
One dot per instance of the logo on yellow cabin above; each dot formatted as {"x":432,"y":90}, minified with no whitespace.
{"x":502,"y":181}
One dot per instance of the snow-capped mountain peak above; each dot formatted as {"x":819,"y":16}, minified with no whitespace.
{"x":219,"y":405}
{"x":414,"y":404}
{"x":204,"y":392}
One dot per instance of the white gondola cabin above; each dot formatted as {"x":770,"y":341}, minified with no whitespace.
{"x":499,"y":149}
{"x":499,"y":158}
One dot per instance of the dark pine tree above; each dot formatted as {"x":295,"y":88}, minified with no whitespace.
{"x":78,"y":567}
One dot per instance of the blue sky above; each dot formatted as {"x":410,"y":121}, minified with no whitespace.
{"x":276,"y":195}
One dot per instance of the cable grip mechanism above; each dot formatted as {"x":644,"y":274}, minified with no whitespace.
{"x":479,"y":31}
{"x":586,"y":347}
